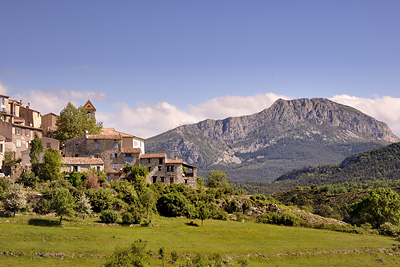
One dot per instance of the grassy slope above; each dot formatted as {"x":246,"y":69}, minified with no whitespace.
{"x":85,"y":245}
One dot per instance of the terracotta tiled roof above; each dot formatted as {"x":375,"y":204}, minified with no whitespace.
{"x":89,"y":106}
{"x":174,"y":161}
{"x":111,"y":133}
{"x":152,"y":156}
{"x":82,"y":161}
{"x":131,"y":150}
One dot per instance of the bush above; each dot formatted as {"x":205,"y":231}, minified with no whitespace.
{"x":389,"y":229}
{"x":28,"y":179}
{"x":130,"y":218}
{"x":42,"y":206}
{"x":286,"y":218}
{"x":173,"y":205}
{"x":108,"y":216}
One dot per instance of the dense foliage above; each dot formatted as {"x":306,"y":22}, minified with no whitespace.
{"x":74,"y":122}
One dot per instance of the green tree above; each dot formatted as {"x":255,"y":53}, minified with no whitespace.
{"x":172,"y":205}
{"x":74,"y":122}
{"x":136,"y":175}
{"x":217,"y":179}
{"x":380,"y":206}
{"x":34,"y":153}
{"x":63,"y":203}
{"x":203,"y":212}
{"x":15,"y":198}
{"x":83,"y":206}
{"x":51,"y":165}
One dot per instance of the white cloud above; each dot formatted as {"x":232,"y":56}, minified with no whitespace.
{"x":231,"y":106}
{"x":55,"y":100}
{"x":147,"y":120}
{"x":386,"y":108}
{"x":3,"y":88}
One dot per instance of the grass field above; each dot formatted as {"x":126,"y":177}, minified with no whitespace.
{"x":35,"y":241}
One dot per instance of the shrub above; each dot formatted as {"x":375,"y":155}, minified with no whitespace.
{"x":130,"y":218}
{"x":286,"y":218}
{"x":108,"y":216}
{"x":28,"y":179}
{"x":389,"y":229}
{"x":172,"y":205}
{"x":42,"y":206}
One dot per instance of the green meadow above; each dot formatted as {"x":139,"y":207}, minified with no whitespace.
{"x":38,"y":241}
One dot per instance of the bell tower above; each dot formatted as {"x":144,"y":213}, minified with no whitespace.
{"x":90,"y":108}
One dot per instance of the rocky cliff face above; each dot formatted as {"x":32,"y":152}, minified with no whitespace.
{"x":289,"y":134}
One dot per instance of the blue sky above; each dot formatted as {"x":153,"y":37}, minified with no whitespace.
{"x":149,"y":66}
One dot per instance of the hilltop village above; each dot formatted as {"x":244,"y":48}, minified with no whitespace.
{"x":108,"y":151}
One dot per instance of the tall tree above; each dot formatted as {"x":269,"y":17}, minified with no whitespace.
{"x":34,"y":153}
{"x":51,"y":165}
{"x":63,"y":203}
{"x":74,"y":122}
{"x":15,"y":198}
{"x":217,"y":179}
{"x":83,"y":206}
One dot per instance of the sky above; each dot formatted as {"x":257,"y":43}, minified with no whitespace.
{"x":149,"y":66}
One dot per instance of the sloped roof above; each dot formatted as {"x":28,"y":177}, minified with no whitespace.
{"x":82,"y":161}
{"x":131,"y":150}
{"x":174,"y":161}
{"x":89,"y":106}
{"x":111,"y":133}
{"x":153,"y":156}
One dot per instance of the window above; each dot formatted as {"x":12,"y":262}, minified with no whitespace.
{"x":167,"y":168}
{"x":18,"y":143}
{"x":116,"y":145}
{"x":96,"y":156}
{"x":148,"y":160}
{"x":171,"y":180}
{"x":186,"y":181}
{"x":27,"y":132}
{"x":113,"y":155}
{"x":154,"y":179}
{"x":159,"y":168}
{"x":3,"y":109}
{"x":172,"y":168}
{"x":149,"y":169}
{"x":76,"y":146}
{"x":115,"y":166}
{"x":18,"y":131}
{"x":128,"y":158}
{"x":96,"y":146}
{"x":27,"y":145}
{"x":162,"y":179}
{"x":160,"y":161}
{"x":98,"y":168}
{"x":76,"y":155}
{"x":48,"y":145}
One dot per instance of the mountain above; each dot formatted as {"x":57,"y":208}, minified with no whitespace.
{"x":289,"y":135}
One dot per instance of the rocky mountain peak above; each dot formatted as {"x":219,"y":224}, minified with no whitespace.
{"x":289,"y":134}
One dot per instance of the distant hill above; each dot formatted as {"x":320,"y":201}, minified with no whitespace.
{"x":377,"y":166}
{"x":289,"y":135}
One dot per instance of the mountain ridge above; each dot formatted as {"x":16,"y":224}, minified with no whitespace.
{"x":262,"y":146}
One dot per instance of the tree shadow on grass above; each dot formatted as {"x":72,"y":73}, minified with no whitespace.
{"x":192,"y":223}
{"x":43,"y":222}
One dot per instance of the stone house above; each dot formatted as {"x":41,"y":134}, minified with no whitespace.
{"x":168,"y":171}
{"x":113,"y":147}
{"x":47,"y":143}
{"x":81,"y":164}
{"x":18,"y":125}
{"x":116,"y":149}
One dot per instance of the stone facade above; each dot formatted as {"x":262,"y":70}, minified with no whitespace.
{"x":81,"y":164}
{"x":114,"y":148}
{"x":168,"y":171}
